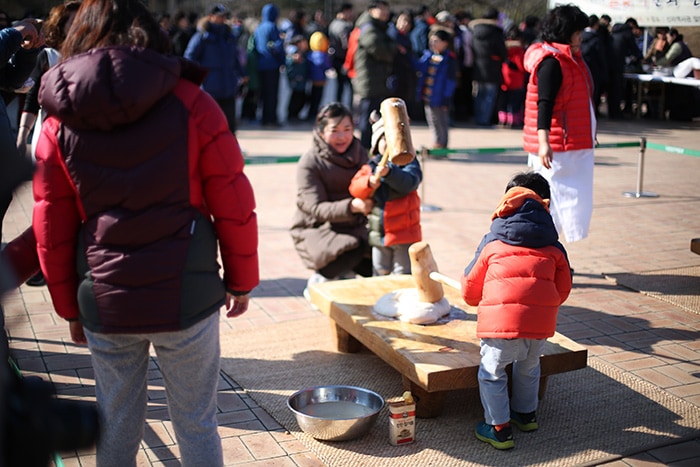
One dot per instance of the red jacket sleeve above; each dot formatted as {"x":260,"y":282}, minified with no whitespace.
{"x":220,"y":188}
{"x":359,"y":185}
{"x":473,"y":282}
{"x":562,"y":278}
{"x":56,"y":221}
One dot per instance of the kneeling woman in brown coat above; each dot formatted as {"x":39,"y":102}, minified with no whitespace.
{"x":330,"y":226}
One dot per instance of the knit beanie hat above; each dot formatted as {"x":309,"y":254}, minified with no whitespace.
{"x":318,"y":42}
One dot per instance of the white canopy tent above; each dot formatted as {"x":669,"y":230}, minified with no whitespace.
{"x":672,"y":13}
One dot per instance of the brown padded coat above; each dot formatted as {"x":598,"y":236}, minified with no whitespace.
{"x":323,"y":227}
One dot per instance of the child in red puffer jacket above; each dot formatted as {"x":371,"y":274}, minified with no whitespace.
{"x":512,"y":96}
{"x":519,"y":277}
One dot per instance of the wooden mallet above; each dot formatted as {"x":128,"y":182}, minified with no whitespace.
{"x":425,"y":274}
{"x":422,"y":264}
{"x":397,"y":132}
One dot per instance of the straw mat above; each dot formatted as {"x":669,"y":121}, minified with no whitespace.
{"x":586,"y":416}
{"x":679,"y":286}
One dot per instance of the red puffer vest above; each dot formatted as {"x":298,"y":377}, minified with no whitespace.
{"x":571,"y":118}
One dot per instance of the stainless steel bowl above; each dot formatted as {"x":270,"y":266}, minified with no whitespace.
{"x":335,"y":413}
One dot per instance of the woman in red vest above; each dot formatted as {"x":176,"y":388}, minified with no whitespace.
{"x":560,"y":125}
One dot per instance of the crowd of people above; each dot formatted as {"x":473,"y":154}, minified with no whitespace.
{"x":487,"y":85}
{"x":246,"y":57}
{"x":611,"y":51}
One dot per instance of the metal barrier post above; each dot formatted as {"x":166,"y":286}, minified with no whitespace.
{"x":640,"y":174}
{"x":423,"y":155}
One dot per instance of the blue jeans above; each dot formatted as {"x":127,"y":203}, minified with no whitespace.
{"x":485,"y":102}
{"x":189,"y":363}
{"x":496,"y":354}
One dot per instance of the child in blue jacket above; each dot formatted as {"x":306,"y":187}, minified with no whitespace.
{"x":437,"y":81}
{"x":297,"y":71}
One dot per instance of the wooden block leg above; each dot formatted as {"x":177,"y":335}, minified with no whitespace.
{"x":428,"y":404}
{"x":344,"y":341}
{"x":543,"y":387}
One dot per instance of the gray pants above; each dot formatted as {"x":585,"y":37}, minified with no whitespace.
{"x":189,"y":363}
{"x":439,"y":124}
{"x":496,"y":354}
{"x":392,"y":259}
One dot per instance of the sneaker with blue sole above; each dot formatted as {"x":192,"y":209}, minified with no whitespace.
{"x":524,"y":421}
{"x":499,"y":439}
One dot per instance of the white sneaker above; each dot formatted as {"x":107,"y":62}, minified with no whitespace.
{"x":316,"y":278}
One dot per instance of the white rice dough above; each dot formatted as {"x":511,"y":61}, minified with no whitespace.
{"x":404,"y":305}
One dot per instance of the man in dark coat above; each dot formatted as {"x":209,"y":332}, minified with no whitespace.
{"x":374,"y":59}
{"x":489,"y":53}
{"x":625,"y":54}
{"x":594,"y":53}
{"x":215,"y":47}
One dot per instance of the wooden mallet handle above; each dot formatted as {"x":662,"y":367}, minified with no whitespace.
{"x":443,"y":279}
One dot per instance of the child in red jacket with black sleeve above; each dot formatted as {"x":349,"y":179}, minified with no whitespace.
{"x":394,"y":222}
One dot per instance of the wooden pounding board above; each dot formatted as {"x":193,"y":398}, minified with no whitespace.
{"x":436,"y":357}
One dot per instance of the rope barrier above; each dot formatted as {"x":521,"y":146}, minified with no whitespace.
{"x":442,"y":152}
{"x":424,"y":153}
{"x":642,"y":144}
{"x":437,"y":153}
{"x":674,"y":149}
{"x":261,"y":160}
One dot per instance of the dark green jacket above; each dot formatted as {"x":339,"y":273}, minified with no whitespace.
{"x":373,"y":59}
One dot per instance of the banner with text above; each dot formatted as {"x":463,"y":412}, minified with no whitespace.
{"x":671,"y":13}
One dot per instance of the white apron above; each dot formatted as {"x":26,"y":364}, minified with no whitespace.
{"x":571,"y":183}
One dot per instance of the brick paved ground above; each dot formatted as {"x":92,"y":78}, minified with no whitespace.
{"x":650,"y":338}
